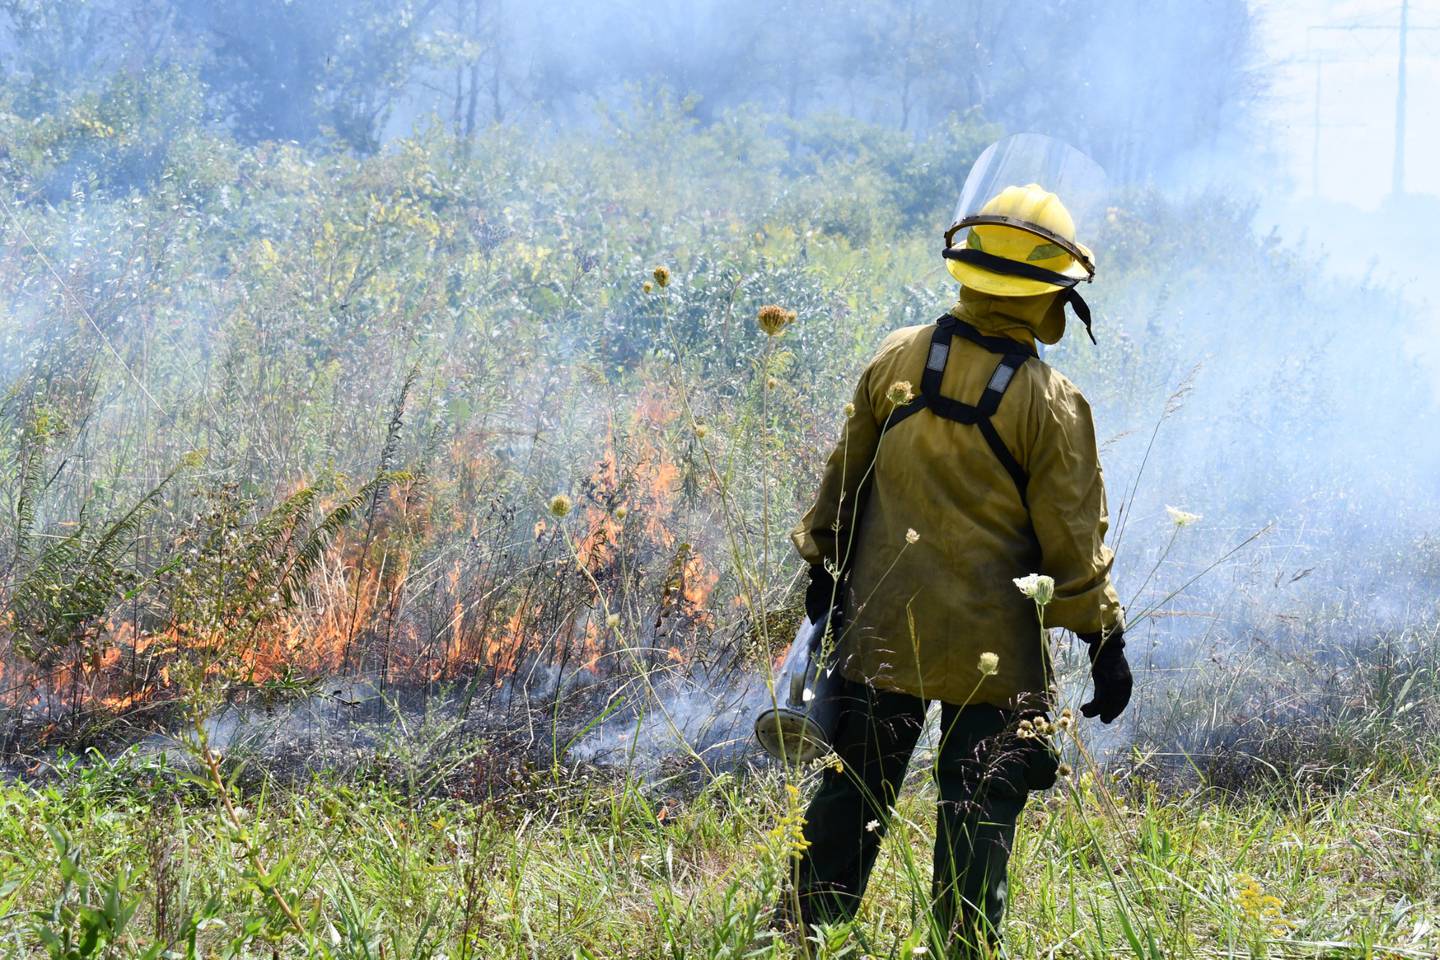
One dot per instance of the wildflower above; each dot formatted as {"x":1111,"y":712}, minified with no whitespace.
{"x":662,"y":276}
{"x":1065,"y":771}
{"x":911,"y":536}
{"x":774,"y":318}
{"x":559,"y":505}
{"x":621,"y":512}
{"x":919,"y":951}
{"x":848,"y":410}
{"x":872,"y":826}
{"x":771,"y":383}
{"x":1026,"y":730}
{"x":900,"y":393}
{"x":838,"y":765}
{"x":989,"y":664}
{"x":1037,"y":587}
{"x":647,"y":286}
{"x":612,"y":621}
{"x":701,"y":431}
{"x":1180,"y":517}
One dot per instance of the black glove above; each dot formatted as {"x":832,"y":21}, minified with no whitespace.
{"x":1111,"y":674}
{"x":821,"y":595}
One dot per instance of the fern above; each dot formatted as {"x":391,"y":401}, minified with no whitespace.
{"x":312,"y":548}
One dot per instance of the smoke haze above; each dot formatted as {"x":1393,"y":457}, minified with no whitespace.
{"x":277,"y":231}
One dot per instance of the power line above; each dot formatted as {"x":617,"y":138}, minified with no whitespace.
{"x":1403,"y":30}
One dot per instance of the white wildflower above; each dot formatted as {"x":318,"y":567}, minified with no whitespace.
{"x":1180,"y":517}
{"x":989,"y":664}
{"x":1037,"y":587}
{"x":911,"y":536}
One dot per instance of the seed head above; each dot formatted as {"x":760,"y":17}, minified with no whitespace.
{"x":773,"y":319}
{"x":911,"y":536}
{"x":559,"y":505}
{"x":662,"y":276}
{"x":621,"y":512}
{"x":989,"y":664}
{"x":848,"y":410}
{"x":647,"y":286}
{"x":701,"y":431}
{"x":612,"y":621}
{"x":900,"y":393}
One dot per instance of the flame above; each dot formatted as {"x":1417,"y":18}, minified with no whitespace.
{"x":355,"y":613}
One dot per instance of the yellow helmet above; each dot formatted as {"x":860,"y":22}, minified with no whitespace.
{"x":1026,"y":225}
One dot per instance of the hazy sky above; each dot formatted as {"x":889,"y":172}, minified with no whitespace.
{"x":1357,"y":84}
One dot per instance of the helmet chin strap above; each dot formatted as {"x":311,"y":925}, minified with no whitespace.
{"x":1028,"y":271}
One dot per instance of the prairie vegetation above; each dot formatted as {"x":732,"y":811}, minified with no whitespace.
{"x":396,"y":539}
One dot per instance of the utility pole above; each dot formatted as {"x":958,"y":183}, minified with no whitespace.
{"x":1404,"y":29}
{"x":1397,"y":174}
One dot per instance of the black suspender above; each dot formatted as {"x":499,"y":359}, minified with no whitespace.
{"x":1013,"y":355}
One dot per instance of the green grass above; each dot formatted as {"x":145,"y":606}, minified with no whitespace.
{"x":587,"y":866}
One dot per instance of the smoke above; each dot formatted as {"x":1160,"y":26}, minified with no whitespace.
{"x":273,"y":216}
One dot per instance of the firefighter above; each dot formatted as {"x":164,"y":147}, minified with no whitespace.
{"x":966,"y":463}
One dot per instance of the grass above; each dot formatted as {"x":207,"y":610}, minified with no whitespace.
{"x":428,"y":345}
{"x":585,"y":865}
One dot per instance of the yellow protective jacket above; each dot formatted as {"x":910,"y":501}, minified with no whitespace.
{"x":921,"y":608}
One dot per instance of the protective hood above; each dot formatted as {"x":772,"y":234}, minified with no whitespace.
{"x":1026,"y":319}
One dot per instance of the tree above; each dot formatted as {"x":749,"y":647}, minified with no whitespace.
{"x":308,"y":71}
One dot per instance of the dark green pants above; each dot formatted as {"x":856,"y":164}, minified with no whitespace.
{"x":981,"y":772}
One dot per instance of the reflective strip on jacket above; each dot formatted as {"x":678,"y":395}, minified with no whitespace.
{"x":919,"y":615}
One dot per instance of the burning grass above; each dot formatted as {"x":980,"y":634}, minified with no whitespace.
{"x":460,"y":515}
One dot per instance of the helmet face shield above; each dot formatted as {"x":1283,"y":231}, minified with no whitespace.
{"x":1033,"y":183}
